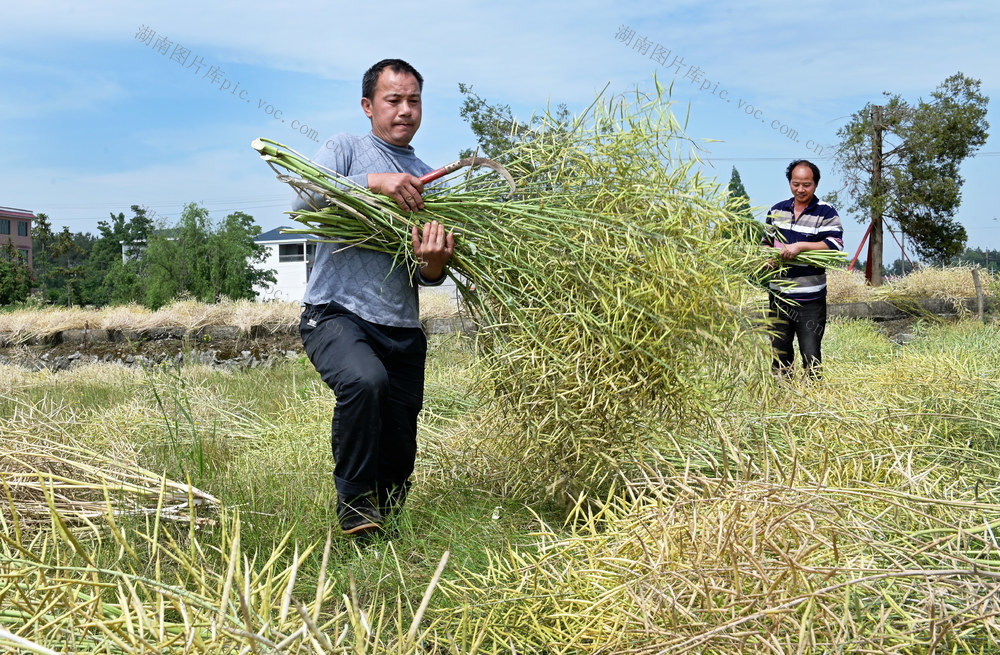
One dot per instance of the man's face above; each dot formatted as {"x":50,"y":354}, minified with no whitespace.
{"x":802,"y":184}
{"x":395,"y":110}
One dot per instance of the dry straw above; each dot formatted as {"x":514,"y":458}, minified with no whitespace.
{"x":98,"y":555}
{"x":24,"y":325}
{"x":859,"y":514}
{"x":954,"y":284}
{"x":148,"y":588}
{"x":27,"y":324}
{"x":681,"y":563}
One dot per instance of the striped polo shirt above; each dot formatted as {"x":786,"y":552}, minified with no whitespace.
{"x":818,"y":222}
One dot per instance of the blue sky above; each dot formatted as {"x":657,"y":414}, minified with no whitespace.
{"x":95,"y":119}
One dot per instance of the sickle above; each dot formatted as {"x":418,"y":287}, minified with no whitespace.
{"x":470,"y":161}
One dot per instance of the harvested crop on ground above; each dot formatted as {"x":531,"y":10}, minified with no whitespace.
{"x":23,"y":325}
{"x":698,"y":565}
{"x":83,"y":486}
{"x":33,"y":323}
{"x":843,"y":286}
{"x":168,"y":592}
{"x":855,"y":514}
{"x":954,"y":284}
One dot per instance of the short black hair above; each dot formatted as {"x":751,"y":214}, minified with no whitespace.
{"x":799,"y":162}
{"x":370,"y":79}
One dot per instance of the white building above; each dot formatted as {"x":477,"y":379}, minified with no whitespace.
{"x":291,"y":257}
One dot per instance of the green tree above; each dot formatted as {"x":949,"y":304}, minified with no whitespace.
{"x":69,"y":253}
{"x":111,"y":278}
{"x":739,"y":195}
{"x":15,"y":275}
{"x":177,"y":258}
{"x":918,"y":148}
{"x":236,"y":258}
{"x":42,"y":240}
{"x":59,"y":262}
{"x":198,"y":259}
{"x":495,"y":126}
{"x":987,"y":259}
{"x":899,"y":267}
{"x":750,"y":230}
{"x":499,"y":133}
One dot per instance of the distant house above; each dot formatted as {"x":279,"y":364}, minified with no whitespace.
{"x":15,"y":226}
{"x":290,"y":256}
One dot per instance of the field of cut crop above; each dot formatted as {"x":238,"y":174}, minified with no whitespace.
{"x":854,"y":514}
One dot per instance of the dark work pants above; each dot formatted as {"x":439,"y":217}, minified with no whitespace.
{"x":377,"y":375}
{"x":805,"y":321}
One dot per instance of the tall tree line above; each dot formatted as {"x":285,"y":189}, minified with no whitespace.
{"x":135,"y":260}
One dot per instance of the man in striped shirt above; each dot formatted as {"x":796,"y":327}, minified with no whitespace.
{"x":798,"y":295}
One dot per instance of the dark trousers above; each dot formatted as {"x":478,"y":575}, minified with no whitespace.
{"x":377,"y":375}
{"x":805,"y":320}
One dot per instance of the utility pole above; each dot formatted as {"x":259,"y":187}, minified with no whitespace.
{"x":902,"y":250}
{"x":873,"y":268}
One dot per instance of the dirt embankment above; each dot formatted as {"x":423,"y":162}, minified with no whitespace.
{"x":221,"y":346}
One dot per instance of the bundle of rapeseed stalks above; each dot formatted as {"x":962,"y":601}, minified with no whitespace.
{"x":825,"y":259}
{"x":604,"y":287}
{"x":818,"y":258}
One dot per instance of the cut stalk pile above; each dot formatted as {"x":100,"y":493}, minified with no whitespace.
{"x":165,"y":592}
{"x":604,"y":289}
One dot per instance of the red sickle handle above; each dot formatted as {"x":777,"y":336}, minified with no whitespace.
{"x":441,"y":172}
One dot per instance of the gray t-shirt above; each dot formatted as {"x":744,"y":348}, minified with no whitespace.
{"x":366,"y":282}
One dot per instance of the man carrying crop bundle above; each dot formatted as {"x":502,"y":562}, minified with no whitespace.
{"x":797,"y":295}
{"x":360,"y":325}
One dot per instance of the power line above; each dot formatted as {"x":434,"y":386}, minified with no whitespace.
{"x":165,"y":208}
{"x":789,"y":158}
{"x":172,"y":202}
{"x":822,"y":157}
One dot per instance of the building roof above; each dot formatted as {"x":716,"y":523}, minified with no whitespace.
{"x":275,"y":235}
{"x":11,"y":212}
